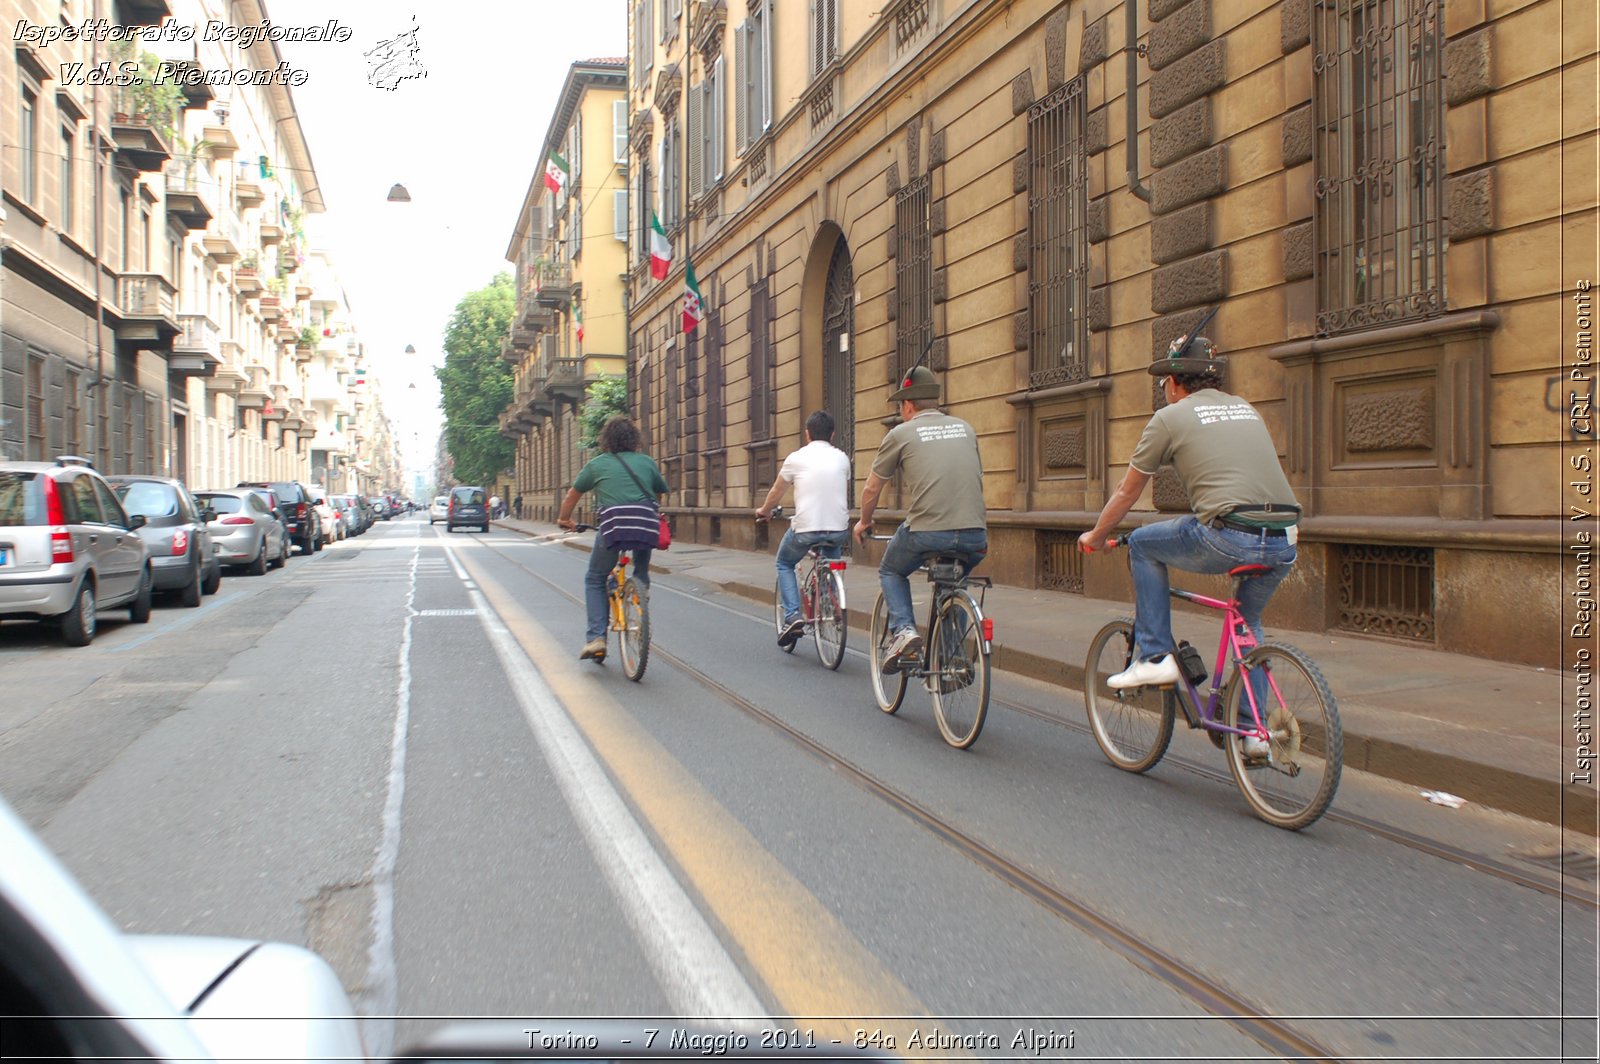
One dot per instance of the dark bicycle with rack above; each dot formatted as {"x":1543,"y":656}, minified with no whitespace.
{"x":822,"y":605}
{"x":954,"y":663}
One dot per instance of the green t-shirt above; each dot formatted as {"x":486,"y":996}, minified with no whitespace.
{"x":937,"y":458}
{"x":612,"y":485}
{"x":1219,"y":448}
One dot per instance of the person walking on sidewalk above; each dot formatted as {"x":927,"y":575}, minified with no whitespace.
{"x":820,"y":473}
{"x":937,"y":458}
{"x":620,"y":474}
{"x":516,"y":507}
{"x":1245,"y":512}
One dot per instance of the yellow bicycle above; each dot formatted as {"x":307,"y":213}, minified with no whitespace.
{"x":628,"y":607}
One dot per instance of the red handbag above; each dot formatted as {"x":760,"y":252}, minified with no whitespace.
{"x":666,"y":533}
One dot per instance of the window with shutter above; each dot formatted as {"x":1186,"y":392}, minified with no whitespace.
{"x":741,"y":92}
{"x":619,"y":215}
{"x":697,"y":95}
{"x":619,"y":132}
{"x":824,"y":34}
{"x":575,"y":160}
{"x":761,"y":45}
{"x":714,"y":123}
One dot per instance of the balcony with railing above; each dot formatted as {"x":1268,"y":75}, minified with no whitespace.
{"x":552,"y":283}
{"x":230,"y":374}
{"x":255,"y":393}
{"x":566,"y":378}
{"x":224,"y":238}
{"x":197,"y":350}
{"x":147,"y":315}
{"x":191,"y":191}
{"x":140,"y":144}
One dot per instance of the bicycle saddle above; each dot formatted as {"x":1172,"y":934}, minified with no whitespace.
{"x":944,"y":567}
{"x":1249,"y":570}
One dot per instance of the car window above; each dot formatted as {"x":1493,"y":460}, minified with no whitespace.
{"x":85,"y":503}
{"x":150,"y":499}
{"x":110,"y":505}
{"x":223,"y":504}
{"x":22,"y":499}
{"x":469,"y":496}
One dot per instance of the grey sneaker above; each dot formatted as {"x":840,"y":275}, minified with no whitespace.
{"x":793,"y":629}
{"x":595,"y":649}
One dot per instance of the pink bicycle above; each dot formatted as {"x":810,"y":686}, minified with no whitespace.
{"x":1272,"y":692}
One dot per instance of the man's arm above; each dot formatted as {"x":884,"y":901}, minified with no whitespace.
{"x":1116,"y":509}
{"x":869,"y":505}
{"x":569,"y":504}
{"x":779,"y":486}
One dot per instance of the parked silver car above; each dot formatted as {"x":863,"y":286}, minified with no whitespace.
{"x":246,"y":530}
{"x":181,"y":556}
{"x":68,"y":548}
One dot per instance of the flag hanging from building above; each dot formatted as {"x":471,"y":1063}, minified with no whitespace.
{"x":577,"y":318}
{"x":694,"y":311}
{"x":660,"y":249}
{"x":555,"y":173}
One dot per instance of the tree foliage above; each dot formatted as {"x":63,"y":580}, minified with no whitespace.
{"x":603,"y":398}
{"x":476,"y":383}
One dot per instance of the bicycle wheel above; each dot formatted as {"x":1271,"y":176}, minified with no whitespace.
{"x":777,"y":618}
{"x":832,"y":619}
{"x":959,"y":672}
{"x":889,"y":688}
{"x":634,"y":639}
{"x":1295,"y":784}
{"x":1132,"y":727}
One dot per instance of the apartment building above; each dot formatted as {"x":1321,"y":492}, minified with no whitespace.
{"x":158,"y":304}
{"x":1038,"y":196}
{"x":569,"y":245}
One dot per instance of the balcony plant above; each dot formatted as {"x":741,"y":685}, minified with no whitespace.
{"x":146,"y":100}
{"x":248,"y":265}
{"x":307,"y":338}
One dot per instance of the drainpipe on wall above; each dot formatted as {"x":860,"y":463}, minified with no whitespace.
{"x":1132,"y":50}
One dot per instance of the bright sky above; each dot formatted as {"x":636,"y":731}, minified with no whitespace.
{"x":464,"y":142}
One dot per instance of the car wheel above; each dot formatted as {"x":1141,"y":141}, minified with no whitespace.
{"x":190,"y":595}
{"x":139,"y":608}
{"x":77,"y":624}
{"x":258,"y":567}
{"x":283,"y":553}
{"x":213,"y":579}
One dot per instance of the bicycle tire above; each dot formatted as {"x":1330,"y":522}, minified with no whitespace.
{"x":1295,"y":786}
{"x":888,"y":688}
{"x":958,"y":676}
{"x":831,"y":620}
{"x":634,"y":639}
{"x":777,"y":617}
{"x":1132,"y":727}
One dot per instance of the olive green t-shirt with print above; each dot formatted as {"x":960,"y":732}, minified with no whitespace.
{"x":937,"y":458}
{"x":1221,"y":451}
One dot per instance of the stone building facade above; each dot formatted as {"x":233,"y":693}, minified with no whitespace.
{"x":1384,"y":198}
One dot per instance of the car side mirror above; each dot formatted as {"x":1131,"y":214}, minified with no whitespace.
{"x":137,"y":521}
{"x":208,"y":515}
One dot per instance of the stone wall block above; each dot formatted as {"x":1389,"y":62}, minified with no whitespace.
{"x":1173,"y":38}
{"x":1021,"y":330}
{"x":1092,"y":46}
{"x":1162,"y":9}
{"x":893,"y":237}
{"x":1294,"y":25}
{"x":1469,"y":204}
{"x":1022,"y":92}
{"x":1182,"y":133}
{"x":939,"y":355}
{"x":936,"y":149}
{"x":1180,"y":234}
{"x":1169,"y":327}
{"x":1097,"y":131}
{"x":1019,"y":174}
{"x":936,"y":217}
{"x":1196,"y":178}
{"x":1019,"y":252}
{"x":1196,"y":74}
{"x":1198,"y":281}
{"x":1297,"y":252}
{"x":1466,"y":68}
{"x":1099,"y":310}
{"x":941,"y":285}
{"x":1297,"y":136}
{"x":1098,"y":220}
{"x":1055,"y":50}
{"x":891,"y":180}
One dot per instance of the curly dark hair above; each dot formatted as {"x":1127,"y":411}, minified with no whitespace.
{"x":619,"y":434}
{"x":1194,"y":382}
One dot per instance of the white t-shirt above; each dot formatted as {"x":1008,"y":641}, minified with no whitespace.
{"x":820,"y":473}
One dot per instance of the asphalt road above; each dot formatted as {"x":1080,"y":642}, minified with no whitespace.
{"x":389,"y":752}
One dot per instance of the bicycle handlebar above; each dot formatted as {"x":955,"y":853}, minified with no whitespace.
{"x":1112,"y":543}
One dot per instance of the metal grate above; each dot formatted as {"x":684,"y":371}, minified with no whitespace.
{"x":761,"y":397}
{"x":913,"y":273}
{"x":1060,"y":562}
{"x":1058,"y":248}
{"x":1386,"y":591}
{"x":671,"y":413}
{"x":713,"y":387}
{"x":909,"y":22}
{"x":1378,"y":155}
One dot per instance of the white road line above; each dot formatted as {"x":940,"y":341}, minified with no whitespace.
{"x":379,"y":999}
{"x":688,"y":960}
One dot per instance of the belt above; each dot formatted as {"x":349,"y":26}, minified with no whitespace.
{"x":1240,"y":526}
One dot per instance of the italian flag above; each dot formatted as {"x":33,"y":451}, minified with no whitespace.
{"x":660,"y":249}
{"x":577,"y":317}
{"x":555,"y":173}
{"x":694,"y":311}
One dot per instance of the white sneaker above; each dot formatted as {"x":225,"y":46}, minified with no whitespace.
{"x":1255,"y":748}
{"x":1157,"y":673}
{"x":907,"y":643}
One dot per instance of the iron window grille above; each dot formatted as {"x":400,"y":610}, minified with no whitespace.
{"x":1378,"y":154}
{"x":712,"y":400}
{"x":1058,"y":245}
{"x":762,"y":406}
{"x":913,"y":272}
{"x":35,"y":393}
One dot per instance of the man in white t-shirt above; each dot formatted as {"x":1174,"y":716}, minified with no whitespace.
{"x":820,"y":473}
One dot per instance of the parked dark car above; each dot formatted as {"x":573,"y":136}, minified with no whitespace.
{"x":182,"y":558}
{"x":380,"y":507}
{"x":469,"y":508}
{"x":296,"y":508}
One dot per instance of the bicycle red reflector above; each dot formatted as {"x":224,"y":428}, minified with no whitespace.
{"x":836,"y":566}
{"x":988,"y":630}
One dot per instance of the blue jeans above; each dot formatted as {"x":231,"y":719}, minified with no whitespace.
{"x":601,"y":561}
{"x":794,"y":547}
{"x":1188,"y":545}
{"x":904,"y":557}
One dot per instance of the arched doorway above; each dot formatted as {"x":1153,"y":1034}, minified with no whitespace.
{"x":838,"y":351}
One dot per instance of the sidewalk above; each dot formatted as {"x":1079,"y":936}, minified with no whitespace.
{"x":1487,"y":731}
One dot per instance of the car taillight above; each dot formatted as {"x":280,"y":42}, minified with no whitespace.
{"x":237,"y":519}
{"x":61,"y":552}
{"x":300,"y":510}
{"x":180,"y":542}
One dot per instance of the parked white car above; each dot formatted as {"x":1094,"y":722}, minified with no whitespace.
{"x":440,"y":510}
